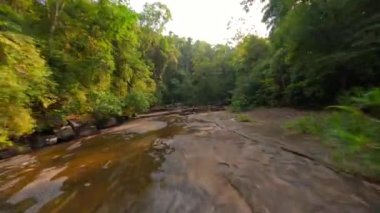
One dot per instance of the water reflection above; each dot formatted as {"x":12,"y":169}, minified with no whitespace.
{"x":43,"y":189}
{"x":107,"y":173}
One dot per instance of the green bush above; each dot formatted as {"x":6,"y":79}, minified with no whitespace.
{"x":354,"y":134}
{"x":24,"y":83}
{"x":243,"y":118}
{"x":369,"y":102}
{"x":306,"y":125}
{"x":239,"y":103}
{"x":137,"y":102}
{"x":105,"y":105}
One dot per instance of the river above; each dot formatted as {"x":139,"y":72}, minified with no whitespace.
{"x":201,"y":163}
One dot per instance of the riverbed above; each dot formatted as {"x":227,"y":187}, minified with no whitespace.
{"x":207,"y":162}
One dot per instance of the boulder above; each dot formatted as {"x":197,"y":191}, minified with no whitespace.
{"x":110,"y":122}
{"x":8,"y":152}
{"x":158,"y":145}
{"x":36,"y":143}
{"x":43,"y":140}
{"x":13,"y":151}
{"x":50,"y":139}
{"x":23,"y":149}
{"x":65,"y":133}
{"x":121,"y":119}
{"x":87,"y":130}
{"x":158,"y":109}
{"x":74,"y":125}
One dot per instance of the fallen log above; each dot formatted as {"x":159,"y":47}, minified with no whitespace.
{"x":182,"y":111}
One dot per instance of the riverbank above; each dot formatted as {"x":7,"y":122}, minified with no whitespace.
{"x":77,"y":127}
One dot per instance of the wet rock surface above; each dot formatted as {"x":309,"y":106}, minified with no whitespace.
{"x":7,"y":153}
{"x":110,"y":122}
{"x":87,"y":130}
{"x":199,"y":163}
{"x":40,"y":141}
{"x":65,"y":133}
{"x":13,"y":151}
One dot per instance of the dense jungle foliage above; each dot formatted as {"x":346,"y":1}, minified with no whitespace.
{"x":320,"y":53}
{"x":101,"y":58}
{"x":316,"y":51}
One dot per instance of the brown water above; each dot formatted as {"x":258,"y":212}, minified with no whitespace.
{"x":109,"y":172}
{"x":176,"y":164}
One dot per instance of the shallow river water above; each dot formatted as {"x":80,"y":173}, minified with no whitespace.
{"x":174,"y":164}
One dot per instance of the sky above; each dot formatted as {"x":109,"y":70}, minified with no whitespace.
{"x":207,"y":20}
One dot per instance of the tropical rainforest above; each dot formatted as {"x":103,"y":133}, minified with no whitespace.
{"x":101,"y":58}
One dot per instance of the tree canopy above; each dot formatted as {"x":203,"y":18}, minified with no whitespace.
{"x":101,"y":58}
{"x":318,"y":50}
